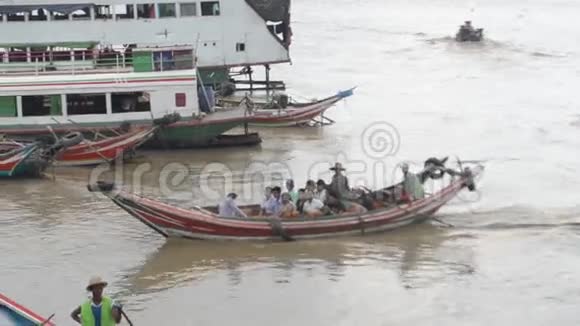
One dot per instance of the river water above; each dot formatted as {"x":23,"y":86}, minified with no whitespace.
{"x":510,"y":259}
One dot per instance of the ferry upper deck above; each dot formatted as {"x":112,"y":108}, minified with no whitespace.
{"x":225,"y":33}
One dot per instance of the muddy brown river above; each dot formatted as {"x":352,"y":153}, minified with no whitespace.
{"x":511,"y":257}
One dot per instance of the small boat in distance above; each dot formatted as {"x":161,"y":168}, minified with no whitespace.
{"x":467,"y":33}
{"x":205,"y":223}
{"x":16,"y":314}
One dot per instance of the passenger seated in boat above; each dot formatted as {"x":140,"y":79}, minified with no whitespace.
{"x":267,"y":195}
{"x":301,"y":200}
{"x":229,"y":208}
{"x":314,"y":207}
{"x":288,"y":208}
{"x":468,"y":27}
{"x":412,"y":187}
{"x":321,"y":192}
{"x":353,"y":208}
{"x":290,"y":187}
{"x":311,"y":186}
{"x":274,"y":204}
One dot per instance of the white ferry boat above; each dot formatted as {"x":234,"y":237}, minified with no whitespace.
{"x":226,"y":33}
{"x":95,"y":87}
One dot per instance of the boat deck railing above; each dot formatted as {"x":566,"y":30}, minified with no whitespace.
{"x":78,"y":62}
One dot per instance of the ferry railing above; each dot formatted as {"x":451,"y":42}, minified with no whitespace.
{"x":63,"y":62}
{"x":82,"y":62}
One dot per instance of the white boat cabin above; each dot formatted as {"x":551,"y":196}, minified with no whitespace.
{"x":95,"y":84}
{"x":226,"y":33}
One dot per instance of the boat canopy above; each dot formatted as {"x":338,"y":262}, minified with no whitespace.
{"x":272,"y":10}
{"x":60,"y":8}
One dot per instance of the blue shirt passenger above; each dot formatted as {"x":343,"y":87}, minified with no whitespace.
{"x":273,"y":205}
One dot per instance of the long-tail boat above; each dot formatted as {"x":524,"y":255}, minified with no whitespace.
{"x":103,"y":151}
{"x":29,"y":160}
{"x":280,"y":111}
{"x":74,"y":150}
{"x":205,"y":223}
{"x":89,"y":152}
{"x":16,"y":314}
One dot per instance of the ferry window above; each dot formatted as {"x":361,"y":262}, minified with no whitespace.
{"x":59,"y":16}
{"x":188,"y":9}
{"x":210,"y":8}
{"x":104,"y":12}
{"x":8,"y":106}
{"x":19,"y":17}
{"x":38,"y":15}
{"x":82,"y":14}
{"x":131,"y":102}
{"x":166,"y":10}
{"x":41,"y":105}
{"x":240,"y":47}
{"x":78,"y":104}
{"x":163,"y":61}
{"x":180,"y":100}
{"x":125,"y":11}
{"x":183,"y":59}
{"x":17,"y":55}
{"x":145,"y":11}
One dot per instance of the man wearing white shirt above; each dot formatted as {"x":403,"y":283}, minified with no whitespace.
{"x":313,"y":207}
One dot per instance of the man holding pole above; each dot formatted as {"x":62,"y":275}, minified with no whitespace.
{"x":99,"y":310}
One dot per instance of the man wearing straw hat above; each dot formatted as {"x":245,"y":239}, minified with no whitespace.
{"x":99,"y":310}
{"x":339,"y":185}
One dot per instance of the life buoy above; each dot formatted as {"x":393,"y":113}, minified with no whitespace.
{"x":71,"y":139}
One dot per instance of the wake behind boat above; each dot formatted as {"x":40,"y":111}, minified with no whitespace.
{"x":387,"y":213}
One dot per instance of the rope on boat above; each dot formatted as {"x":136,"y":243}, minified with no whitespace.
{"x":442,"y":223}
{"x":361,"y":223}
{"x":47,"y":320}
{"x":278,"y":229}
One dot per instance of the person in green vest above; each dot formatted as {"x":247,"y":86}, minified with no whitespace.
{"x":99,"y":310}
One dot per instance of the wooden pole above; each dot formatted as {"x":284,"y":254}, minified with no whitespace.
{"x":250,"y":72}
{"x":267,"y":67}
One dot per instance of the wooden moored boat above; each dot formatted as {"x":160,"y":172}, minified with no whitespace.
{"x":204,"y":223}
{"x":23,"y":161}
{"x":74,"y":150}
{"x":88,"y":152}
{"x":274,"y":114}
{"x":16,"y":314}
{"x":105,"y":150}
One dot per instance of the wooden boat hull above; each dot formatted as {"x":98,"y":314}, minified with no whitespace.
{"x":107,"y":150}
{"x":19,"y":314}
{"x":186,"y":133}
{"x":200,"y":223}
{"x":26,"y":161}
{"x":295,"y":115}
{"x":93,"y":152}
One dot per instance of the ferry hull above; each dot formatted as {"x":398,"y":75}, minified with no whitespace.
{"x":183,"y":134}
